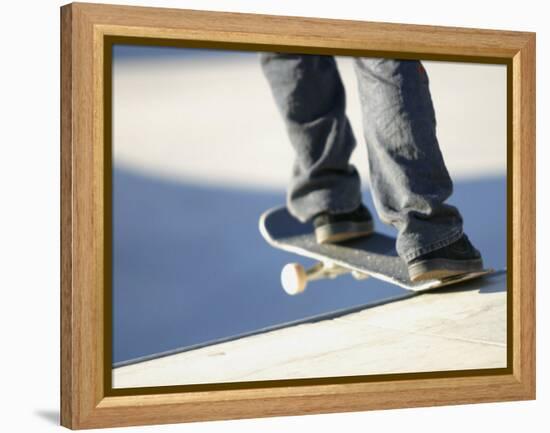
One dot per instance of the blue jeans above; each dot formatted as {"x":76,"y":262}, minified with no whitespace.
{"x":409,"y":180}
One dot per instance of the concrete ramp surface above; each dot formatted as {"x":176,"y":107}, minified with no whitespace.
{"x":450,"y":329}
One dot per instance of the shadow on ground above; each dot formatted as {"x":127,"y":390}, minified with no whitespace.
{"x":49,"y":415}
{"x":190,"y":266}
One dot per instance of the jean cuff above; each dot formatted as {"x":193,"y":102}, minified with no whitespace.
{"x":449,"y":239}
{"x":316,"y":202}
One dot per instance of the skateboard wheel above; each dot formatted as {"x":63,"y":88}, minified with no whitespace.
{"x":293,"y":278}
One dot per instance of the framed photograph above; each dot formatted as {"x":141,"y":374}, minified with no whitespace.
{"x":267,"y":215}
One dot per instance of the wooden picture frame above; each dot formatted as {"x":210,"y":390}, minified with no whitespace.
{"x":87,"y":33}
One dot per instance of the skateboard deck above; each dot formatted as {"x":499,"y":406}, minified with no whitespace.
{"x":373,"y":256}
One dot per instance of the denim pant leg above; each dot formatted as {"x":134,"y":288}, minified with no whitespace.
{"x":409,"y":180}
{"x":310,"y":96}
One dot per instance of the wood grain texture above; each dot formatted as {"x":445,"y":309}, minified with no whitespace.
{"x":85,"y":401}
{"x":524,"y":216}
{"x":67,"y":386}
{"x":303,"y":32}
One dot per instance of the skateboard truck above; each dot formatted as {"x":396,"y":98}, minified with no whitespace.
{"x":294,"y":277}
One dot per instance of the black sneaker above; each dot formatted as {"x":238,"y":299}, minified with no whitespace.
{"x":460,"y":257}
{"x":344,"y":226}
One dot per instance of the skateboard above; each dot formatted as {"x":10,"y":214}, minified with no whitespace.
{"x":372,"y":256}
